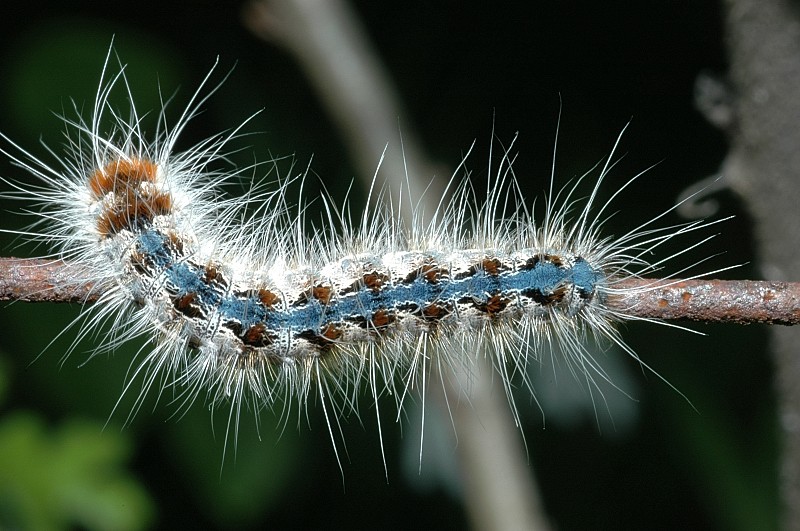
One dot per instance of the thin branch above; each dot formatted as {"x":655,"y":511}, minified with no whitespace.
{"x":712,"y":301}
{"x":43,"y":280}
{"x":717,"y":301}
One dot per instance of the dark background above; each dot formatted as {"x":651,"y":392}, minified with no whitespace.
{"x":461,"y":70}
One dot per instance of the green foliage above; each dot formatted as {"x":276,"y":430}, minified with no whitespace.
{"x":71,"y":475}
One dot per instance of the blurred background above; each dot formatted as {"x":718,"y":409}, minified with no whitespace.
{"x":462,"y":71}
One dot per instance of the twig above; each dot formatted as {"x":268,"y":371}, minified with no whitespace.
{"x":43,"y":280}
{"x":712,"y":301}
{"x":717,"y":301}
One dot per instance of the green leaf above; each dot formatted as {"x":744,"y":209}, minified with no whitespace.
{"x":71,"y":476}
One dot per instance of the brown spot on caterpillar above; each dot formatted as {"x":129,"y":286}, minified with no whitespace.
{"x":119,"y":175}
{"x":435,"y":312}
{"x":331,"y":332}
{"x":212,"y":274}
{"x":186,"y":304}
{"x":257,"y":336}
{"x":374,"y":281}
{"x":493,"y":305}
{"x":545,"y":299}
{"x":324,"y":340}
{"x":490,"y":266}
{"x":554,"y":259}
{"x":381,"y":319}
{"x":268,"y":298}
{"x":319,"y":292}
{"x":534,"y":260}
{"x":560,"y":292}
{"x":322,"y":293}
{"x":430,"y":272}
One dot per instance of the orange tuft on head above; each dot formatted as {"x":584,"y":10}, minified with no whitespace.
{"x":118,"y":175}
{"x":132,"y":207}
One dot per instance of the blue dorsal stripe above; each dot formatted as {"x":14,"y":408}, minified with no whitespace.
{"x":186,"y":278}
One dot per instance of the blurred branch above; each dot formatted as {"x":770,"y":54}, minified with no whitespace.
{"x":334,"y":50}
{"x":763,"y":42}
{"x":332,"y":47}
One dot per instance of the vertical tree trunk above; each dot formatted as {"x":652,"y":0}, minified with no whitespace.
{"x":763,"y":165}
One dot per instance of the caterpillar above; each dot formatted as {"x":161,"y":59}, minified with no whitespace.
{"x":239,"y":306}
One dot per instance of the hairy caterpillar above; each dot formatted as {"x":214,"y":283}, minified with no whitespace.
{"x":255,"y":313}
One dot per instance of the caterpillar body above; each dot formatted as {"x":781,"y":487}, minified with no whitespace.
{"x":256,"y":313}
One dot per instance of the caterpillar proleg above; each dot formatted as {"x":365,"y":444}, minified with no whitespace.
{"x":240,"y":307}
